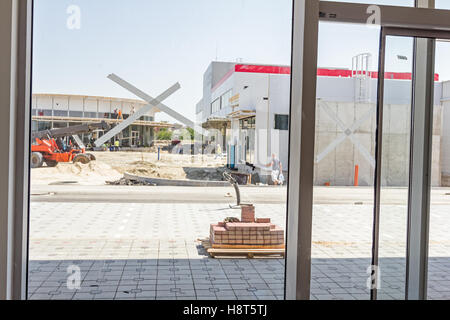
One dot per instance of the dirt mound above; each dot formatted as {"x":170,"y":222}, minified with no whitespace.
{"x":209,"y":174}
{"x":169,"y":171}
{"x":110,"y":166}
{"x":91,"y":172}
{"x":152,"y":170}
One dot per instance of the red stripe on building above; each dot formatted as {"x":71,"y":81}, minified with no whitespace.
{"x":321,"y":72}
{"x":262,"y":69}
{"x":334,"y":73}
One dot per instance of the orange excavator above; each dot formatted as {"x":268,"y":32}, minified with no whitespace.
{"x":62,"y":145}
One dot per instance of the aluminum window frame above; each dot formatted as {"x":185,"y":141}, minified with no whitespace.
{"x":419,"y":189}
{"x":16,"y":57}
{"x":299,"y":226}
{"x":302,"y":125}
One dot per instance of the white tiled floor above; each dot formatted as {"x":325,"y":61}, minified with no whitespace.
{"x":162,"y":235}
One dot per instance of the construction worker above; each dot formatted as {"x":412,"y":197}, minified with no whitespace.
{"x":277,"y":170}
{"x":120,"y":114}
{"x":218,"y":151}
{"x":116,"y":145}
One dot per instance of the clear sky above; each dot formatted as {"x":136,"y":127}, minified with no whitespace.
{"x":155,"y":43}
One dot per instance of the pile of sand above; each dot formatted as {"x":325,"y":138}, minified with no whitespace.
{"x":152,"y":170}
{"x":171,"y":170}
{"x":93,"y":172}
{"x":110,"y":166}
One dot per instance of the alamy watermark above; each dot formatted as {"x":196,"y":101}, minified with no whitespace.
{"x":375,"y":15}
{"x":74,"y":277}
{"x":74,"y":18}
{"x":373,"y":281}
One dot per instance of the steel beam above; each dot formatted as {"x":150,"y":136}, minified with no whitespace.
{"x":391,"y":16}
{"x":152,"y":103}
{"x":161,"y":106}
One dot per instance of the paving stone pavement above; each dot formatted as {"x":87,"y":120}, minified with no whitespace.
{"x":160,"y":279}
{"x":149,"y":251}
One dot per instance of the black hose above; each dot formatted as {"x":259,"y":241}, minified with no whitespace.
{"x":234,"y":183}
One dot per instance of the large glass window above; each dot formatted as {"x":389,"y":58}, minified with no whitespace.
{"x":225,"y":99}
{"x":281,"y":122}
{"x":344,"y":161}
{"x":248,"y":123}
{"x":216,"y":105}
{"x":139,"y":212}
{"x":439,"y":238}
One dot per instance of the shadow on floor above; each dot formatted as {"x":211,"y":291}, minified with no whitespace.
{"x":221,"y":279}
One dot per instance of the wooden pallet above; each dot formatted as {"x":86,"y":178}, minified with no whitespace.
{"x":240,"y":251}
{"x":245,"y":246}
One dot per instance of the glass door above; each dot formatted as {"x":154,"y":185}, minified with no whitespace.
{"x":439,"y":243}
{"x":393,"y":164}
{"x":409,"y":121}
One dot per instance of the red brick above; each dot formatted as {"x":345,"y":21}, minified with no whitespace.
{"x":248,"y":213}
{"x":263,"y":220}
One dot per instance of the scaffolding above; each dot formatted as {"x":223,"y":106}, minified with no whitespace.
{"x":361,"y":65}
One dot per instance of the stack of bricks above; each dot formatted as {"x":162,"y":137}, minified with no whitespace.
{"x":250,"y":231}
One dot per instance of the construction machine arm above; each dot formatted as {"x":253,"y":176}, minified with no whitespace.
{"x":69,"y":131}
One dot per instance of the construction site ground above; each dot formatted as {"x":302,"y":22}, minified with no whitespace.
{"x":141,"y":242}
{"x":111,"y":166}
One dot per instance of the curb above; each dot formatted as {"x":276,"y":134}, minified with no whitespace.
{"x":179,"y":183}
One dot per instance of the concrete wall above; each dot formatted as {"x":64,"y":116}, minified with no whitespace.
{"x":445,"y":142}
{"x":338,"y":166}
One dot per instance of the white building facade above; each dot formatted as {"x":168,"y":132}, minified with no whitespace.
{"x":62,"y":110}
{"x":246,"y":107}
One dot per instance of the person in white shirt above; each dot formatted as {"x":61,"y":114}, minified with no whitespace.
{"x":277,"y":170}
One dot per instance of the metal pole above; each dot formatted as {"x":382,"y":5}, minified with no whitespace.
{"x":378,"y":162}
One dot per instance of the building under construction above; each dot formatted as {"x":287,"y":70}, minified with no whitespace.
{"x":246,"y":106}
{"x":50,"y":111}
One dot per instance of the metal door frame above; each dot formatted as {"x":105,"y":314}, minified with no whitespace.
{"x":419,"y":21}
{"x":419,"y":194}
{"x":420,"y":155}
{"x":306,"y":17}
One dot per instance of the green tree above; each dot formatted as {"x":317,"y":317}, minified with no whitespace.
{"x":164,"y":134}
{"x":188,"y":134}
